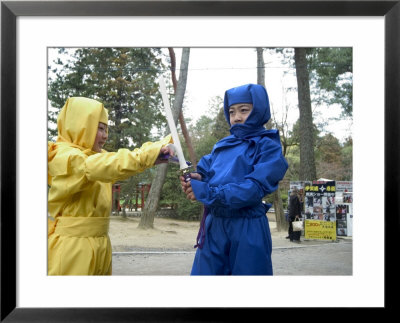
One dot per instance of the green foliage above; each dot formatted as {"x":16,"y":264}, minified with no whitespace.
{"x":347,"y":153}
{"x":333,"y":159}
{"x":284,"y":196}
{"x":209,"y":128}
{"x":285,"y":199}
{"x":328,"y":149}
{"x":221,"y":126}
{"x":203,"y":135}
{"x":331,"y":83}
{"x":347,"y":160}
{"x":124,"y":79}
{"x":172,"y":195}
{"x":332,"y":76}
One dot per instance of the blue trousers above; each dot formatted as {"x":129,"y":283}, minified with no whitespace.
{"x":235,"y":246}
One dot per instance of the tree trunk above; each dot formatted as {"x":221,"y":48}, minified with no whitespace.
{"x":185,"y":132}
{"x":281,"y":223}
{"x":260,"y":67}
{"x":307,"y":159}
{"x":153,"y":199}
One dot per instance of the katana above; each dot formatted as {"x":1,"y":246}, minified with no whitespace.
{"x":183,"y":164}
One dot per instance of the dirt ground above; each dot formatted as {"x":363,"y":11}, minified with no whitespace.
{"x":167,"y":249}
{"x":167,"y":234}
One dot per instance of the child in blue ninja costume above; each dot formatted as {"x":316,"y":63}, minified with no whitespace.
{"x":234,"y":236}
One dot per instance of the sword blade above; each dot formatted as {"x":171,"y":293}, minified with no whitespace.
{"x":171,"y":124}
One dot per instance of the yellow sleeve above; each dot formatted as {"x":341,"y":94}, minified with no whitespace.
{"x":113,"y":166}
{"x":67,"y":173}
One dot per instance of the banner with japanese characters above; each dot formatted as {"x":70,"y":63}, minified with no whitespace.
{"x":320,"y":206}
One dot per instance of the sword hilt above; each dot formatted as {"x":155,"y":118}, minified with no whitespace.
{"x":186,"y":173}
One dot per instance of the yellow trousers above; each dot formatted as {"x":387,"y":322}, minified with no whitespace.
{"x":79,"y":246}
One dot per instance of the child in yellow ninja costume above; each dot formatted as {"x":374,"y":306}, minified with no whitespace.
{"x":80,"y":176}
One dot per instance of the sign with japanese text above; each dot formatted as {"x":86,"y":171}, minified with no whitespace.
{"x":320,"y":200}
{"x":320,"y":230}
{"x":321,"y":188}
{"x":320,"y":210}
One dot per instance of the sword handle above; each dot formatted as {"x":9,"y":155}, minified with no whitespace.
{"x":186,"y":173}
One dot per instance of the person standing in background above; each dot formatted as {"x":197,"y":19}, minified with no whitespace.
{"x":294,"y":214}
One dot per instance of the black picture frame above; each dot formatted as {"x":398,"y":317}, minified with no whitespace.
{"x":10,"y":10}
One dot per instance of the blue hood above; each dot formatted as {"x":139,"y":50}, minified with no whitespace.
{"x":256,"y":95}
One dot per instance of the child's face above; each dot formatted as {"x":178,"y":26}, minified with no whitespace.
{"x":101,"y":137}
{"x":238,"y":113}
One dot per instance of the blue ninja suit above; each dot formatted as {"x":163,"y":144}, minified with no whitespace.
{"x":242,"y":168}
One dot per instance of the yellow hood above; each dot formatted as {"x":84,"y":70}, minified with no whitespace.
{"x":78,"y":121}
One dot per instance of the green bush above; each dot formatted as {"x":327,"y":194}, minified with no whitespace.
{"x":173,"y":196}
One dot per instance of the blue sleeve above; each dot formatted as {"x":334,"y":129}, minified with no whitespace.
{"x":269,"y":169}
{"x":203,"y":167}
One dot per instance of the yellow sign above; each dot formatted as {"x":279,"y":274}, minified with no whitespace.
{"x":320,"y":230}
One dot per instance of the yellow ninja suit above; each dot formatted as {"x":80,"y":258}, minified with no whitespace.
{"x":80,"y":180}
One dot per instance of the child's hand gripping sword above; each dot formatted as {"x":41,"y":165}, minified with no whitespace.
{"x":183,"y":165}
